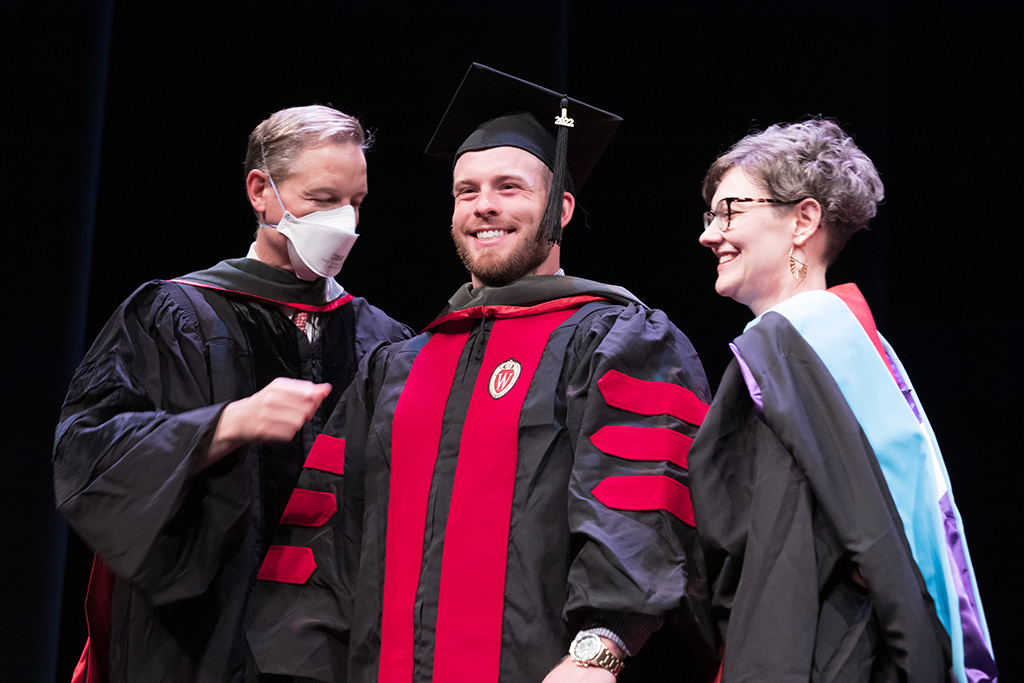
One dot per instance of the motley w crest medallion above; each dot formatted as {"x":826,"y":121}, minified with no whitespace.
{"x":504,"y":378}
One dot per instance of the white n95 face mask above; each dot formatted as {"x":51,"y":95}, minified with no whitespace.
{"x":319,"y":242}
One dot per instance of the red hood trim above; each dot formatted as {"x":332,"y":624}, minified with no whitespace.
{"x":515,"y":311}
{"x":854,"y":300}
{"x":313,"y":308}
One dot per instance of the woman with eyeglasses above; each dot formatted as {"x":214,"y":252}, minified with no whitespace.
{"x":835,"y":549}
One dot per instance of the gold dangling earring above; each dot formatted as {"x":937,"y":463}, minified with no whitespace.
{"x":797,"y":267}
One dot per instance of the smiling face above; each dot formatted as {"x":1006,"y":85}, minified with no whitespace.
{"x":500,"y":196}
{"x":321,"y":178}
{"x":753,"y":254}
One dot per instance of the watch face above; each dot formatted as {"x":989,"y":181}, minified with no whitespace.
{"x":587,"y":648}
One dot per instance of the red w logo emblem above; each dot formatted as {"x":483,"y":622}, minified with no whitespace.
{"x":504,"y":378}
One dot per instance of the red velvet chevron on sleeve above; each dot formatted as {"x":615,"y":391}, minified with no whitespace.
{"x":287,"y":564}
{"x":646,"y":493}
{"x":651,"y":398}
{"x":327,"y":455}
{"x":309,"y":508}
{"x":639,"y":443}
{"x":643,"y":443}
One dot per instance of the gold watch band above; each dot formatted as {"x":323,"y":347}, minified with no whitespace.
{"x":604,"y":657}
{"x":606,"y":660}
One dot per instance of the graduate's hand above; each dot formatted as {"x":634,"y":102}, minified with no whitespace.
{"x":275,"y":413}
{"x":569,"y":671}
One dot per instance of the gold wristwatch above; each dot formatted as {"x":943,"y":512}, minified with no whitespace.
{"x":588,"y":650}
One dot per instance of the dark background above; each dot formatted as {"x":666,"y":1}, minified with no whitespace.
{"x":126,"y":126}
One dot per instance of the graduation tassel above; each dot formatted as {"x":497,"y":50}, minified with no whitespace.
{"x":552,"y":223}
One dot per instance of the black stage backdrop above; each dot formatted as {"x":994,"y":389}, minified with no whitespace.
{"x":126,"y":127}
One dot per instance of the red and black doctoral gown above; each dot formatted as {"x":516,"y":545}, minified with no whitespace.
{"x":177,"y":554}
{"x":485,"y":489}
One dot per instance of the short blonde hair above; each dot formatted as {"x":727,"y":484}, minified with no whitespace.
{"x":277,"y":141}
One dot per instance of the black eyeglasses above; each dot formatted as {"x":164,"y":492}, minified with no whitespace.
{"x":726,"y":213}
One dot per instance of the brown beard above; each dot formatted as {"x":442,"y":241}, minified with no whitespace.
{"x":527,"y":256}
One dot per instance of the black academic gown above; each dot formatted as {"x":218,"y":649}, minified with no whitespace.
{"x":177,"y":554}
{"x":514,"y":473}
{"x":791,"y":499}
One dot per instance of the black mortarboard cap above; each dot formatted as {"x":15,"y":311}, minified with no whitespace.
{"x":493,"y":109}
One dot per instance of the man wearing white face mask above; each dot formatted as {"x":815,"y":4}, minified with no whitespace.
{"x":319,"y":237}
{"x":186,"y":426}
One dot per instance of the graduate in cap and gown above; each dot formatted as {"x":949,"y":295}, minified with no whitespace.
{"x":504,"y":497}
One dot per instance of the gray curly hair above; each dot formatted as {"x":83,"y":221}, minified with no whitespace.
{"x":281,"y":137}
{"x":813,"y":158}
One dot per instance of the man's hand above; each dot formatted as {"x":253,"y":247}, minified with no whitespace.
{"x":569,"y":671}
{"x":275,"y":413}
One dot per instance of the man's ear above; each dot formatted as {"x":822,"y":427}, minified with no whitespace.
{"x":568,"y":206}
{"x":255,"y":186}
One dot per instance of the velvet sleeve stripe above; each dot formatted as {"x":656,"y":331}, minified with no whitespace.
{"x":327,"y":455}
{"x":309,"y":508}
{"x":646,"y":493}
{"x":287,"y":564}
{"x":471,"y":599}
{"x":651,"y":398}
{"x":643,"y":443}
{"x":416,"y":434}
